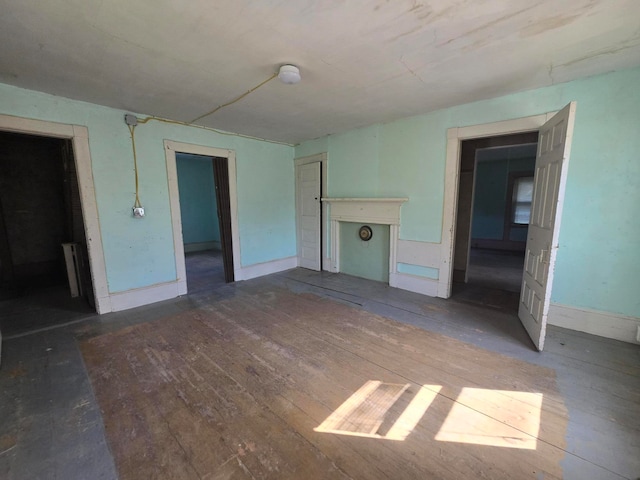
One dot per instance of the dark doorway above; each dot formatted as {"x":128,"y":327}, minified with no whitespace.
{"x":40,"y":211}
{"x":203,"y":186}
{"x":491,"y":231}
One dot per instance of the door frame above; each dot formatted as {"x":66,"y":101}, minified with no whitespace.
{"x":321,"y":158}
{"x":79,"y":136}
{"x":455,"y":136}
{"x":171,"y":147}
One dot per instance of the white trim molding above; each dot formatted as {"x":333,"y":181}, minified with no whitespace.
{"x":171,"y":147}
{"x":414,"y":283}
{"x":138,"y":297}
{"x":603,"y":324}
{"x":267,"y":268}
{"x":79,"y":136}
{"x":383,"y":211}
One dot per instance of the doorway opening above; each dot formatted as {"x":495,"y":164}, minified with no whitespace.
{"x":45,"y":277}
{"x":555,"y":133}
{"x":494,"y":199}
{"x":203,"y":186}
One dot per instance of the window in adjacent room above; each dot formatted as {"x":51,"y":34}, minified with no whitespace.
{"x":521,"y":201}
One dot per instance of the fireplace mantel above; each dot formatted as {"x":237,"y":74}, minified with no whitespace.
{"x":385,"y":211}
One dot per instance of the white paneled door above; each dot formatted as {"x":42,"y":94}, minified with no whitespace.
{"x":552,"y":161}
{"x":309,"y":187}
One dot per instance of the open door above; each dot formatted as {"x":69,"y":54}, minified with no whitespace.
{"x":309,"y":216}
{"x":221,"y":181}
{"x":552,"y":161}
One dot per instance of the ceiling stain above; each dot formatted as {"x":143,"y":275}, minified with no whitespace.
{"x":490,"y":24}
{"x":558,"y":21}
{"x":421,"y":10}
{"x":412,"y":72}
{"x":425,"y":15}
{"x":409,"y":32}
{"x":550,"y":23}
{"x":632,"y":43}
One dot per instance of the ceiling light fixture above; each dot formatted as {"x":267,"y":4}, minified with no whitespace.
{"x":289,"y":74}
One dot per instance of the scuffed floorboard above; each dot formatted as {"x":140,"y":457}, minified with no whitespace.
{"x":240,"y":387}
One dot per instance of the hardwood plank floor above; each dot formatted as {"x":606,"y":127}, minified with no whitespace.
{"x":261,"y":365}
{"x":251,"y":360}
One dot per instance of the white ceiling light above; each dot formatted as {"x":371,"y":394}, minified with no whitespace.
{"x":289,"y":74}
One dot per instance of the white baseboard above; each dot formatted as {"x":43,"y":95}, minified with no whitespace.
{"x":413,"y":283}
{"x":144,"y":296}
{"x":267,"y":268}
{"x":103,"y":304}
{"x":603,"y":324}
{"x":200,"y":246}
{"x":165,"y":291}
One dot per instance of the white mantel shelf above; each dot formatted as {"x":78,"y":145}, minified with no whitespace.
{"x":358,"y":199}
{"x":385,"y":211}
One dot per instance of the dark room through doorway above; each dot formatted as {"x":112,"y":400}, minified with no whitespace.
{"x":494,"y":201}
{"x":45,"y":278}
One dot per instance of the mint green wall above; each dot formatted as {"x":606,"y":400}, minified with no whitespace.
{"x":365,"y":259}
{"x":138,"y":252}
{"x":198,"y":205}
{"x":490,"y":197}
{"x":598,"y":261}
{"x":266,"y":203}
{"x":311,"y":147}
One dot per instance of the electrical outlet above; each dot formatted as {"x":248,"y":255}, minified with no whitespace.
{"x":138,"y":212}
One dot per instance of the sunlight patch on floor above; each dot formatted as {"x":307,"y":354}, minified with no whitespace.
{"x":364,"y":413}
{"x":495,"y":418}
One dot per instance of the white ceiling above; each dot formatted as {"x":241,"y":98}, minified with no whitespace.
{"x":362,"y":62}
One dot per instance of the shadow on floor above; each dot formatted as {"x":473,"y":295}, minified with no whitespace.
{"x":31,"y":309}
{"x":27,"y":310}
{"x":494,"y":280}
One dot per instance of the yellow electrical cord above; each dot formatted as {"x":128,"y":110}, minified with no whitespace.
{"x":132,"y":129}
{"x":235,"y":99}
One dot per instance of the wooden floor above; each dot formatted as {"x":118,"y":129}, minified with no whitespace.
{"x":239,"y":391}
{"x":314,"y":375}
{"x":495,"y":268}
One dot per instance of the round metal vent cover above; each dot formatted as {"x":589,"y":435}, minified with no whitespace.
{"x":365,"y":233}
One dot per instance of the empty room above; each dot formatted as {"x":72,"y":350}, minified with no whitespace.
{"x":320,"y":240}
